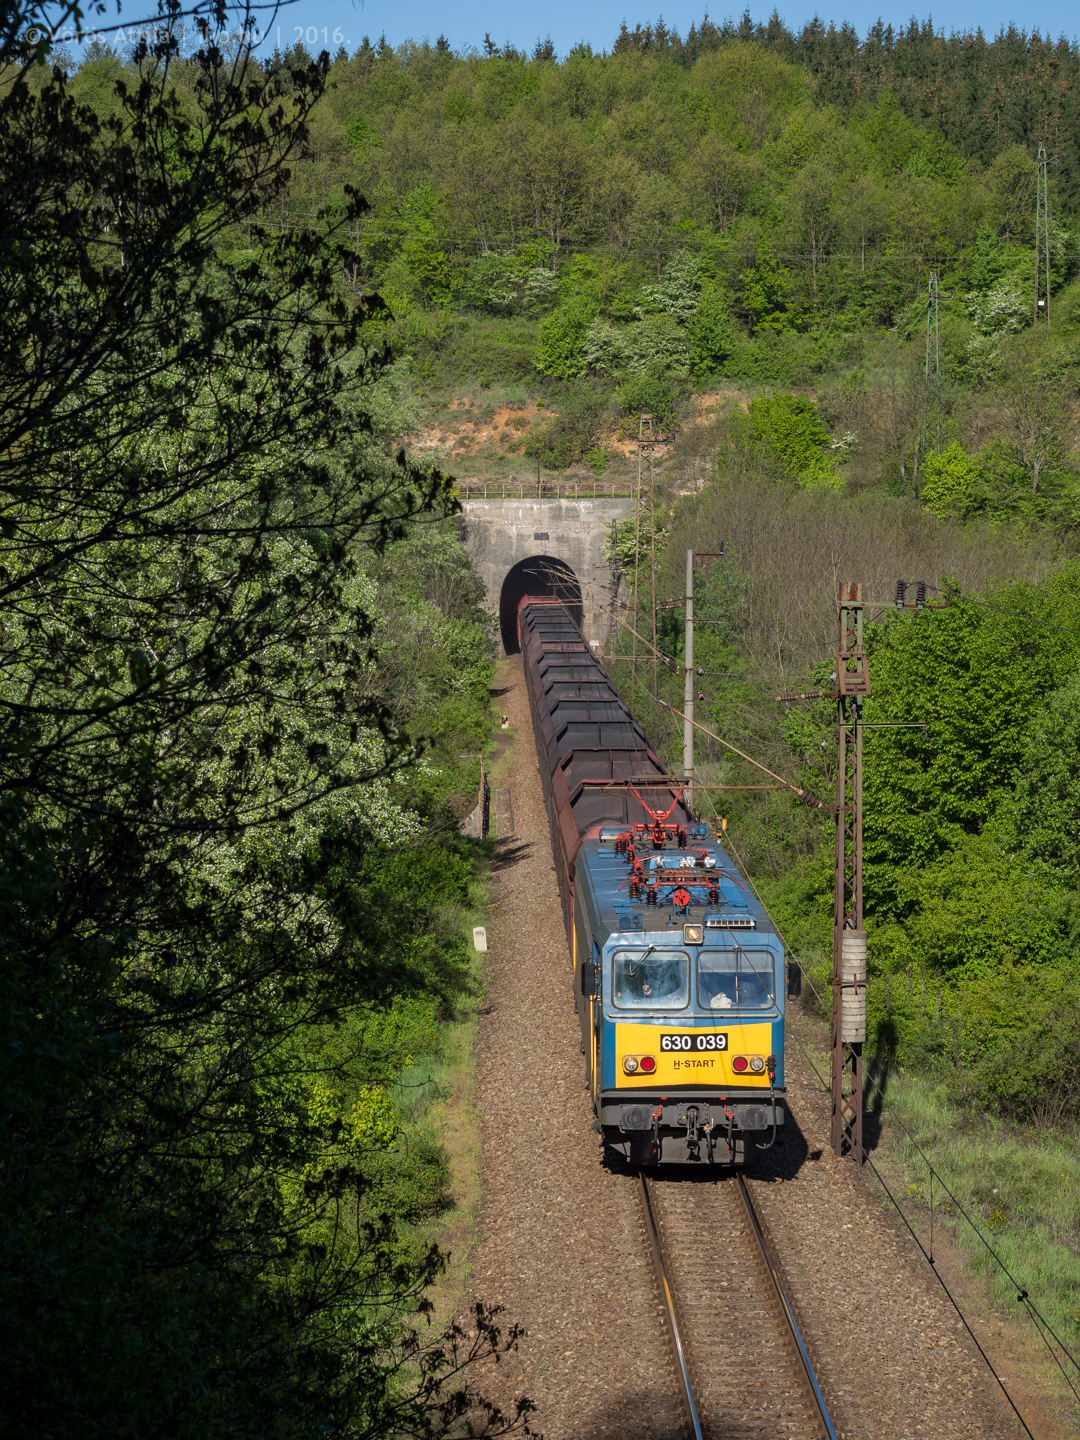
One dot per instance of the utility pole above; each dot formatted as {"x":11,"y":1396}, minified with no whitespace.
{"x":932,"y":387}
{"x":1042,"y":237}
{"x":688,"y":685}
{"x":849,"y":936}
{"x":616,"y":576}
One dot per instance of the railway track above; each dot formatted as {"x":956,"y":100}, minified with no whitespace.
{"x":741,"y":1361}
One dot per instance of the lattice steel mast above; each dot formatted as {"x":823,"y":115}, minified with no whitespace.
{"x":849,"y":936}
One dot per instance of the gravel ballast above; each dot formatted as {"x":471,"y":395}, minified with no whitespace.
{"x":561,"y":1245}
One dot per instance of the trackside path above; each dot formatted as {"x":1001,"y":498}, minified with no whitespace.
{"x":561,"y":1244}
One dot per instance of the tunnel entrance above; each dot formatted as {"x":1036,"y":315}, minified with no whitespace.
{"x":538,"y":575}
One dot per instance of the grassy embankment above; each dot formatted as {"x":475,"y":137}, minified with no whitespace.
{"x":1021,"y":1190}
{"x":437,"y":1096}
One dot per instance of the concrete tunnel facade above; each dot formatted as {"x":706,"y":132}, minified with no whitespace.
{"x":545,"y":547}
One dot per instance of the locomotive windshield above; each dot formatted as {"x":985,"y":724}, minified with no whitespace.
{"x":656,"y":980}
{"x":735,"y":979}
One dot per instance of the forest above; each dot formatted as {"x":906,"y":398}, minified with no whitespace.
{"x":611,"y":235}
{"x":812,"y":299}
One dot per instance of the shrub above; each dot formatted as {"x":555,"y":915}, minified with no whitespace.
{"x":604,"y":347}
{"x":771,"y":356}
{"x":562,"y":335}
{"x":649,"y":392}
{"x":493,"y":351}
{"x":509,"y":285}
{"x":951,"y":479}
{"x":679,"y":292}
{"x":788,"y":430}
{"x":1003,"y":310}
{"x":1029,"y":1065}
{"x":572,"y":430}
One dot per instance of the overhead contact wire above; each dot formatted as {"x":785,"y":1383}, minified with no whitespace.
{"x":952,"y":1299}
{"x":1034,"y":1312}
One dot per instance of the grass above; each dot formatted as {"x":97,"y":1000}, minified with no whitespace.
{"x":1020,"y":1188}
{"x":441,"y":399}
{"x":1022,"y":1191}
{"x":447,"y":1110}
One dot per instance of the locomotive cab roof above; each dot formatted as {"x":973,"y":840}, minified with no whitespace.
{"x":737,"y":909}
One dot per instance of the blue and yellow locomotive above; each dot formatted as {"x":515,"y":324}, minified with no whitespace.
{"x":678,"y":971}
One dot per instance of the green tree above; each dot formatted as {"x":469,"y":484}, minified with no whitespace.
{"x":814,"y":219}
{"x":1038,"y":394}
{"x":990,"y":667}
{"x":711,"y":332}
{"x":766,"y":296}
{"x":658,"y":209}
{"x":560,"y":351}
{"x":193,"y":465}
{"x":1045,"y":811}
{"x":723,"y":179}
{"x":422,"y":248}
{"x":790,"y":433}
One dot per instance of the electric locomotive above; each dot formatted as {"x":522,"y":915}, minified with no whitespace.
{"x":677,"y":969}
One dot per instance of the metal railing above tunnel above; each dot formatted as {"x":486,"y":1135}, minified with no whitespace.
{"x":513,"y":488}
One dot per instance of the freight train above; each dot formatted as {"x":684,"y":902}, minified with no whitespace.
{"x":677,"y":969}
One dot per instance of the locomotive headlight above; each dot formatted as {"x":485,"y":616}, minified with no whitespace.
{"x":629,"y":1064}
{"x":757,"y":1064}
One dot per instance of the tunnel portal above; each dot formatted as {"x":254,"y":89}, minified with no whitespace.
{"x":536,"y":575}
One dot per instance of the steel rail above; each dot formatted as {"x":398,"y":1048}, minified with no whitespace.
{"x":789,"y":1313}
{"x":653,"y":1231}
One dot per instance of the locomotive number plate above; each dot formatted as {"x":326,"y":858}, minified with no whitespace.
{"x":695,"y":1043}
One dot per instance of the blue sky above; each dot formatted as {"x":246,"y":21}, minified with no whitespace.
{"x":568,"y":22}
{"x":327,"y":23}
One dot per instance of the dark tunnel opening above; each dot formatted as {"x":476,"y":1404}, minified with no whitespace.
{"x":538,"y":575}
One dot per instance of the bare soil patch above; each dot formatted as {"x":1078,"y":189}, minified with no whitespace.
{"x":503,"y":429}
